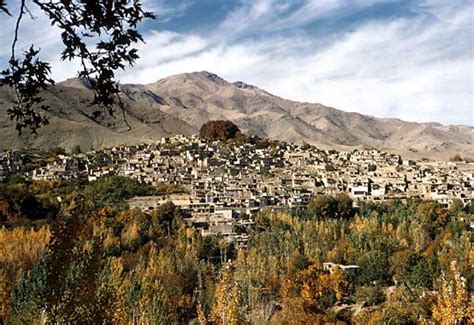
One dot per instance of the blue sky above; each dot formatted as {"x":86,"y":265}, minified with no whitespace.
{"x":407,"y":59}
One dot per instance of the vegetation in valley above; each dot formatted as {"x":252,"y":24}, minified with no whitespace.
{"x":72,"y":252}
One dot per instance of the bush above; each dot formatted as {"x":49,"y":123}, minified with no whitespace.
{"x":219,"y":130}
{"x":116,"y":189}
{"x":374,"y":267}
{"x":326,"y":206}
{"x":370,"y":295}
{"x":76,"y":150}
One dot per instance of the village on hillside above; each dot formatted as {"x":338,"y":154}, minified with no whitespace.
{"x":225,"y":185}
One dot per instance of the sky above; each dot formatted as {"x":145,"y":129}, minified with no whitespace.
{"x":412,"y":60}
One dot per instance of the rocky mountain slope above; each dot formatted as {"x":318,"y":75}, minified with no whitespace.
{"x":72,"y":122}
{"x":182,"y":103}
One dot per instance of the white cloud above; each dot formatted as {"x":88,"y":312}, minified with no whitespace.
{"x":250,"y":15}
{"x":279,"y":15}
{"x":166,"y":11}
{"x":458,"y":12}
{"x":415,"y":68}
{"x":313,"y":9}
{"x":406,"y":68}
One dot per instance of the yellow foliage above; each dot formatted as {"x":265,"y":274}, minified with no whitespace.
{"x":452,"y":303}
{"x":131,"y":234}
{"x":227,"y":308}
{"x":338,"y":283}
{"x":301,"y":296}
{"x":102,"y":213}
{"x":283,"y":217}
{"x":110,"y":241}
{"x":364,"y":226}
{"x":88,"y":247}
{"x":201,"y":315}
{"x":118,"y":312}
{"x":44,"y":186}
{"x":20,"y":249}
{"x":339,"y":252}
{"x":190,"y":233}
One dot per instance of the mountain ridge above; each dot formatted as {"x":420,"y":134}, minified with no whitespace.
{"x":183,"y":102}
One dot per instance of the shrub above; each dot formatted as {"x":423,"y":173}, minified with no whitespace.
{"x":370,"y":295}
{"x":219,"y":130}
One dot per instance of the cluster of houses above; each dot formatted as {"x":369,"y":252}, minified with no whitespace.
{"x":228,"y":184}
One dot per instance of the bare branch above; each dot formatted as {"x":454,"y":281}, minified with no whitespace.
{"x":17,"y":28}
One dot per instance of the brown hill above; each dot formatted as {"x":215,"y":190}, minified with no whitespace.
{"x":182,"y":103}
{"x":200,"y":96}
{"x":72,"y":123}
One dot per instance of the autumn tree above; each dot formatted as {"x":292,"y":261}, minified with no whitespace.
{"x":306,"y":295}
{"x":20,"y":250}
{"x":219,"y":130}
{"x":452,"y":304}
{"x":403,"y":306}
{"x":65,"y":285}
{"x":432,"y":216}
{"x":110,"y":264}
{"x":227,"y":308}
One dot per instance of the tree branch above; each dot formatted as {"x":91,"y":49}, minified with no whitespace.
{"x":12,"y":58}
{"x":17,"y":28}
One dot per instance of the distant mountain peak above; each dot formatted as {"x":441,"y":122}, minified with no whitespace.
{"x":81,"y":83}
{"x":243,"y":85}
{"x":201,"y":77}
{"x":209,"y":75}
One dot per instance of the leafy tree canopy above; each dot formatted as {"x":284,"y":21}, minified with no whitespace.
{"x":327,"y":207}
{"x":219,"y":130}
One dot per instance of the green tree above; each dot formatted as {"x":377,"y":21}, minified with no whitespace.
{"x":76,"y":150}
{"x":374,"y":267}
{"x":457,"y":206}
{"x":116,"y":189}
{"x":370,"y":295}
{"x":168,"y":217}
{"x":323,"y":206}
{"x":421,"y":275}
{"x":65,"y":286}
{"x":345,"y":207}
{"x":327,"y":207}
{"x":402,"y":263}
